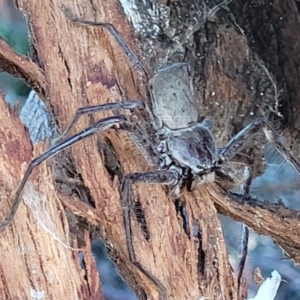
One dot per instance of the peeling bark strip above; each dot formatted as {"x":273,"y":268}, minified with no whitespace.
{"x":236,"y":78}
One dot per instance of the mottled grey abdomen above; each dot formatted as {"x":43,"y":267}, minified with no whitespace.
{"x":173,"y":97}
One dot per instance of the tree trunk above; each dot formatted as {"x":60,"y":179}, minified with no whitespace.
{"x":241,"y":69}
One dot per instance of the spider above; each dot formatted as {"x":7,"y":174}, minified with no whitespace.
{"x":170,"y":137}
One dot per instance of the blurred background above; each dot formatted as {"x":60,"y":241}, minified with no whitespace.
{"x":279,"y":180}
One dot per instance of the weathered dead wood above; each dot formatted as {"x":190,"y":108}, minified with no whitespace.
{"x":32,"y":261}
{"x":271,"y":219}
{"x":85,"y":66}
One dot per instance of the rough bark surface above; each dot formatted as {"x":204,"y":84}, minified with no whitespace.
{"x":33,"y":262}
{"x":231,"y":57}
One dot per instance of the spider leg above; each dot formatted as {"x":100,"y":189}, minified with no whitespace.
{"x":243,"y":254}
{"x":272,"y":138}
{"x":163,"y":177}
{"x":113,"y":31}
{"x":239,"y":140}
{"x":96,"y":108}
{"x":139,"y":137}
{"x":99,"y":126}
{"x":139,"y":140}
{"x":245,"y":230}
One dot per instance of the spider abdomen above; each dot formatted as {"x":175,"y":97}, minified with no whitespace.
{"x":173,"y":97}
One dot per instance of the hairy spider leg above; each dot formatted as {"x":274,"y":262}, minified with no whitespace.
{"x":232,"y":148}
{"x":128,"y":52}
{"x":243,"y":252}
{"x":96,"y":108}
{"x":234,"y":145}
{"x":239,"y":140}
{"x":139,"y":137}
{"x":113,"y":31}
{"x":163,"y":177}
{"x":272,"y":138}
{"x":99,"y":126}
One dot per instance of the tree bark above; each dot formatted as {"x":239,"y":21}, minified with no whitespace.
{"x":240,"y":69}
